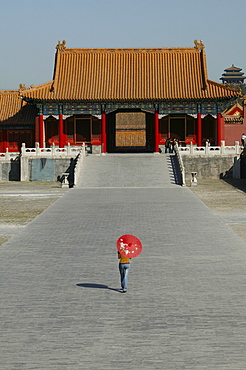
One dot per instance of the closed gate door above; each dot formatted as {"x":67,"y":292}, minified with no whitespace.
{"x":130,"y":129}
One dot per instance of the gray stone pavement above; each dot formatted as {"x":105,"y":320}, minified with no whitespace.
{"x":20,"y":202}
{"x":225,"y":198}
{"x":185,"y":307}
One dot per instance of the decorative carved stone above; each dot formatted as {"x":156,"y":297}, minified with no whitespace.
{"x":23,"y":87}
{"x":61,"y":45}
{"x":199,"y":45}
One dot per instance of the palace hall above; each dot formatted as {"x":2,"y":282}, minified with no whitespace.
{"x":117,"y":100}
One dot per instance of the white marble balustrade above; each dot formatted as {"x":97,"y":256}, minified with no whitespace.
{"x":53,"y":151}
{"x":211,"y":150}
{"x":7,"y":156}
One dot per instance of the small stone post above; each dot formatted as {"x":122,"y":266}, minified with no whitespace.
{"x":193,"y":179}
{"x":53,"y":149}
{"x":65,"y":182}
{"x":237,"y":147}
{"x":206,"y":148}
{"x":222,"y":147}
{"x":23,"y":149}
{"x":83,"y":149}
{"x":37,"y":148}
{"x":7,"y":155}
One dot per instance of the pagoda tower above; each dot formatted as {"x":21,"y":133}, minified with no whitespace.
{"x":233,"y":75}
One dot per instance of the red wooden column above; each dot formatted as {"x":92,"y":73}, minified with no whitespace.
{"x":61,"y":131}
{"x":41,"y":131}
{"x":104,"y":133}
{"x":219,"y":129}
{"x":4,"y":136}
{"x":199,"y":129}
{"x":156,"y":149}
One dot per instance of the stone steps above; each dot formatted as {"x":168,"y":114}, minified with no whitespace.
{"x":124,"y":170}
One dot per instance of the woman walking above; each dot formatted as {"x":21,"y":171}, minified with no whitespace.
{"x":124,"y":268}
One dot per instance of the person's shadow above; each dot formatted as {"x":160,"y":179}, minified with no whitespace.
{"x":97,"y":286}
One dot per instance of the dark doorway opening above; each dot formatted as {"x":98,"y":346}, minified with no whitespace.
{"x":209,"y":130}
{"x":177,"y":128}
{"x":83,"y":130}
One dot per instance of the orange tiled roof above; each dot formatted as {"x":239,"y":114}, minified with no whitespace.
{"x":14,"y":110}
{"x":130,"y":74}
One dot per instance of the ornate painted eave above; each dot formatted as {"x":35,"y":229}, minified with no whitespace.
{"x":233,"y":119}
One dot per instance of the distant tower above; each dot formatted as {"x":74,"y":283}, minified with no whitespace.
{"x":233,"y":76}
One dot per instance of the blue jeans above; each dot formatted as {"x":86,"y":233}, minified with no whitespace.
{"x":124,"y":272}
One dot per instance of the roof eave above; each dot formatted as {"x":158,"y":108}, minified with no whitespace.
{"x":128,"y":100}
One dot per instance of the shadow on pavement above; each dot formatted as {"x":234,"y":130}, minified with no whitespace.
{"x":97,"y":286}
{"x":237,"y":183}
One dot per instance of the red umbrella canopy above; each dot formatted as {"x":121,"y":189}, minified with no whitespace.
{"x":129,"y":246}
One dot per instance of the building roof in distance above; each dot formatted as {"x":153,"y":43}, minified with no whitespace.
{"x":233,"y":73}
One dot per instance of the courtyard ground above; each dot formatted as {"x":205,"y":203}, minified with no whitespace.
{"x":22,"y":202}
{"x":227,"y":199}
{"x":185,"y":306}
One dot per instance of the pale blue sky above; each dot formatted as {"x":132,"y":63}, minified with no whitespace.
{"x":30,"y":30}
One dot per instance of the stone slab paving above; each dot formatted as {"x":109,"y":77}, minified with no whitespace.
{"x":225,"y":198}
{"x":60,"y":303}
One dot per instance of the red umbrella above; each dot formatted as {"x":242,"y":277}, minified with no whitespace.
{"x":129,"y":246}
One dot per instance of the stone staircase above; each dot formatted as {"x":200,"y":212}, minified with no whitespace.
{"x":129,"y":170}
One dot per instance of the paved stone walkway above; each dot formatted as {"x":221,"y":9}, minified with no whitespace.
{"x":185,"y":307}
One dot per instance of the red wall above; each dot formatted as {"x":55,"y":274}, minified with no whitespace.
{"x":233,"y":132}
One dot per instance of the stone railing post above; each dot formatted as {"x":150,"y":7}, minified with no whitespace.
{"x":68,"y":149}
{"x":206,"y":148}
{"x":37,"y":148}
{"x":191,"y":148}
{"x":53,"y":149}
{"x":7,"y":155}
{"x":83,"y":149}
{"x":78,"y":165}
{"x":24,"y":164}
{"x":237,"y":147}
{"x":222,"y":147}
{"x":181,"y":165}
{"x":23,"y":149}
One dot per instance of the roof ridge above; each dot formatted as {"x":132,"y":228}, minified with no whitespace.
{"x":34,"y":88}
{"x":146,"y":49}
{"x":39,"y":86}
{"x":8,"y":91}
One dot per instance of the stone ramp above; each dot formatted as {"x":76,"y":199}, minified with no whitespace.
{"x":185,"y":308}
{"x":128,"y":170}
